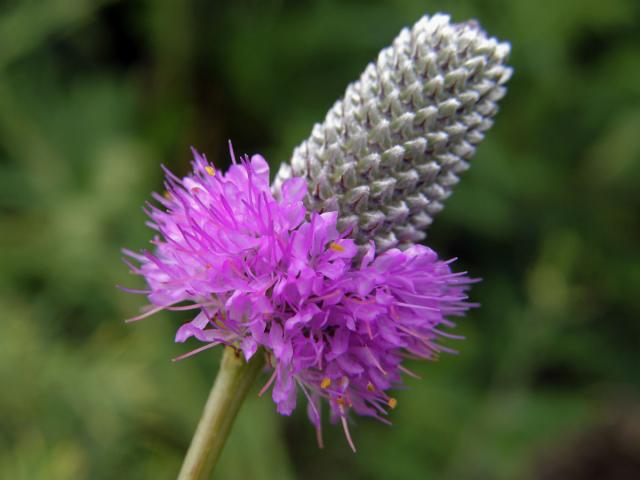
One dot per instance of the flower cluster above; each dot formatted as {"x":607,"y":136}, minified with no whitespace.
{"x":269,"y":277}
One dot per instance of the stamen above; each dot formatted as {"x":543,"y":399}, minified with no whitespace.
{"x":374,"y":402}
{"x":375,"y":361}
{"x":145,"y":314}
{"x":370,"y":387}
{"x":325,"y":297}
{"x":414,"y":334}
{"x":326,"y":383}
{"x":336,"y":247}
{"x":233,"y":156}
{"x":368,"y":324}
{"x":133,"y":290}
{"x":134,"y":255}
{"x":448,"y":335}
{"x":310,"y":400}
{"x":418,"y":307}
{"x":392,"y":402}
{"x":193,"y":352}
{"x":268,"y":384}
{"x":345,"y":427}
{"x":409,"y":372}
{"x":218,"y":321}
{"x":210,"y":170}
{"x":188,"y":307}
{"x":319,"y":437}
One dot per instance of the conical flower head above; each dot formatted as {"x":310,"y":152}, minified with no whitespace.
{"x":389,"y":152}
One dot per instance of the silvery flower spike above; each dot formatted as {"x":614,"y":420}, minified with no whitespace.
{"x":390,"y":151}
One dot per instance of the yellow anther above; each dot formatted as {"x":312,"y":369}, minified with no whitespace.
{"x":340,"y":401}
{"x":210,"y":170}
{"x":370,"y":387}
{"x":166,"y":195}
{"x":336,"y":247}
{"x":326,"y":382}
{"x":392,"y":402}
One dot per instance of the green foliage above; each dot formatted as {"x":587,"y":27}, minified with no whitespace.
{"x":95,"y":95}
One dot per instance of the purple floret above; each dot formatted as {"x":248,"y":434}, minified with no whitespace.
{"x":265,"y":273}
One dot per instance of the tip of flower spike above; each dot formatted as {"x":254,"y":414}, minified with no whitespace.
{"x":385,"y":181}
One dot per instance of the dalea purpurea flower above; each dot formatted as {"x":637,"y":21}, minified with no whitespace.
{"x":269,"y":277}
{"x":390,"y":151}
{"x":320,"y":273}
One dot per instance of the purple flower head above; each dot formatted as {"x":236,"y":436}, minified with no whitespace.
{"x":265,"y":273}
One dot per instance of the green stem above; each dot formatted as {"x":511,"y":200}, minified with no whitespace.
{"x":234,"y":379}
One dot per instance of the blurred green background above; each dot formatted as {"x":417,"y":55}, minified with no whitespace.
{"x":94,"y":95}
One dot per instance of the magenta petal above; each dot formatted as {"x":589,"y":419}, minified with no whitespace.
{"x":339,"y":343}
{"x":294,"y":189}
{"x":284,"y":392}
{"x":249,"y":347}
{"x":184,"y":333}
{"x":301,"y":318}
{"x":350,"y":365}
{"x":260,"y":167}
{"x":188,"y":329}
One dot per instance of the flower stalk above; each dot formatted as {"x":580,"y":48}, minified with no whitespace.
{"x":234,"y":379}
